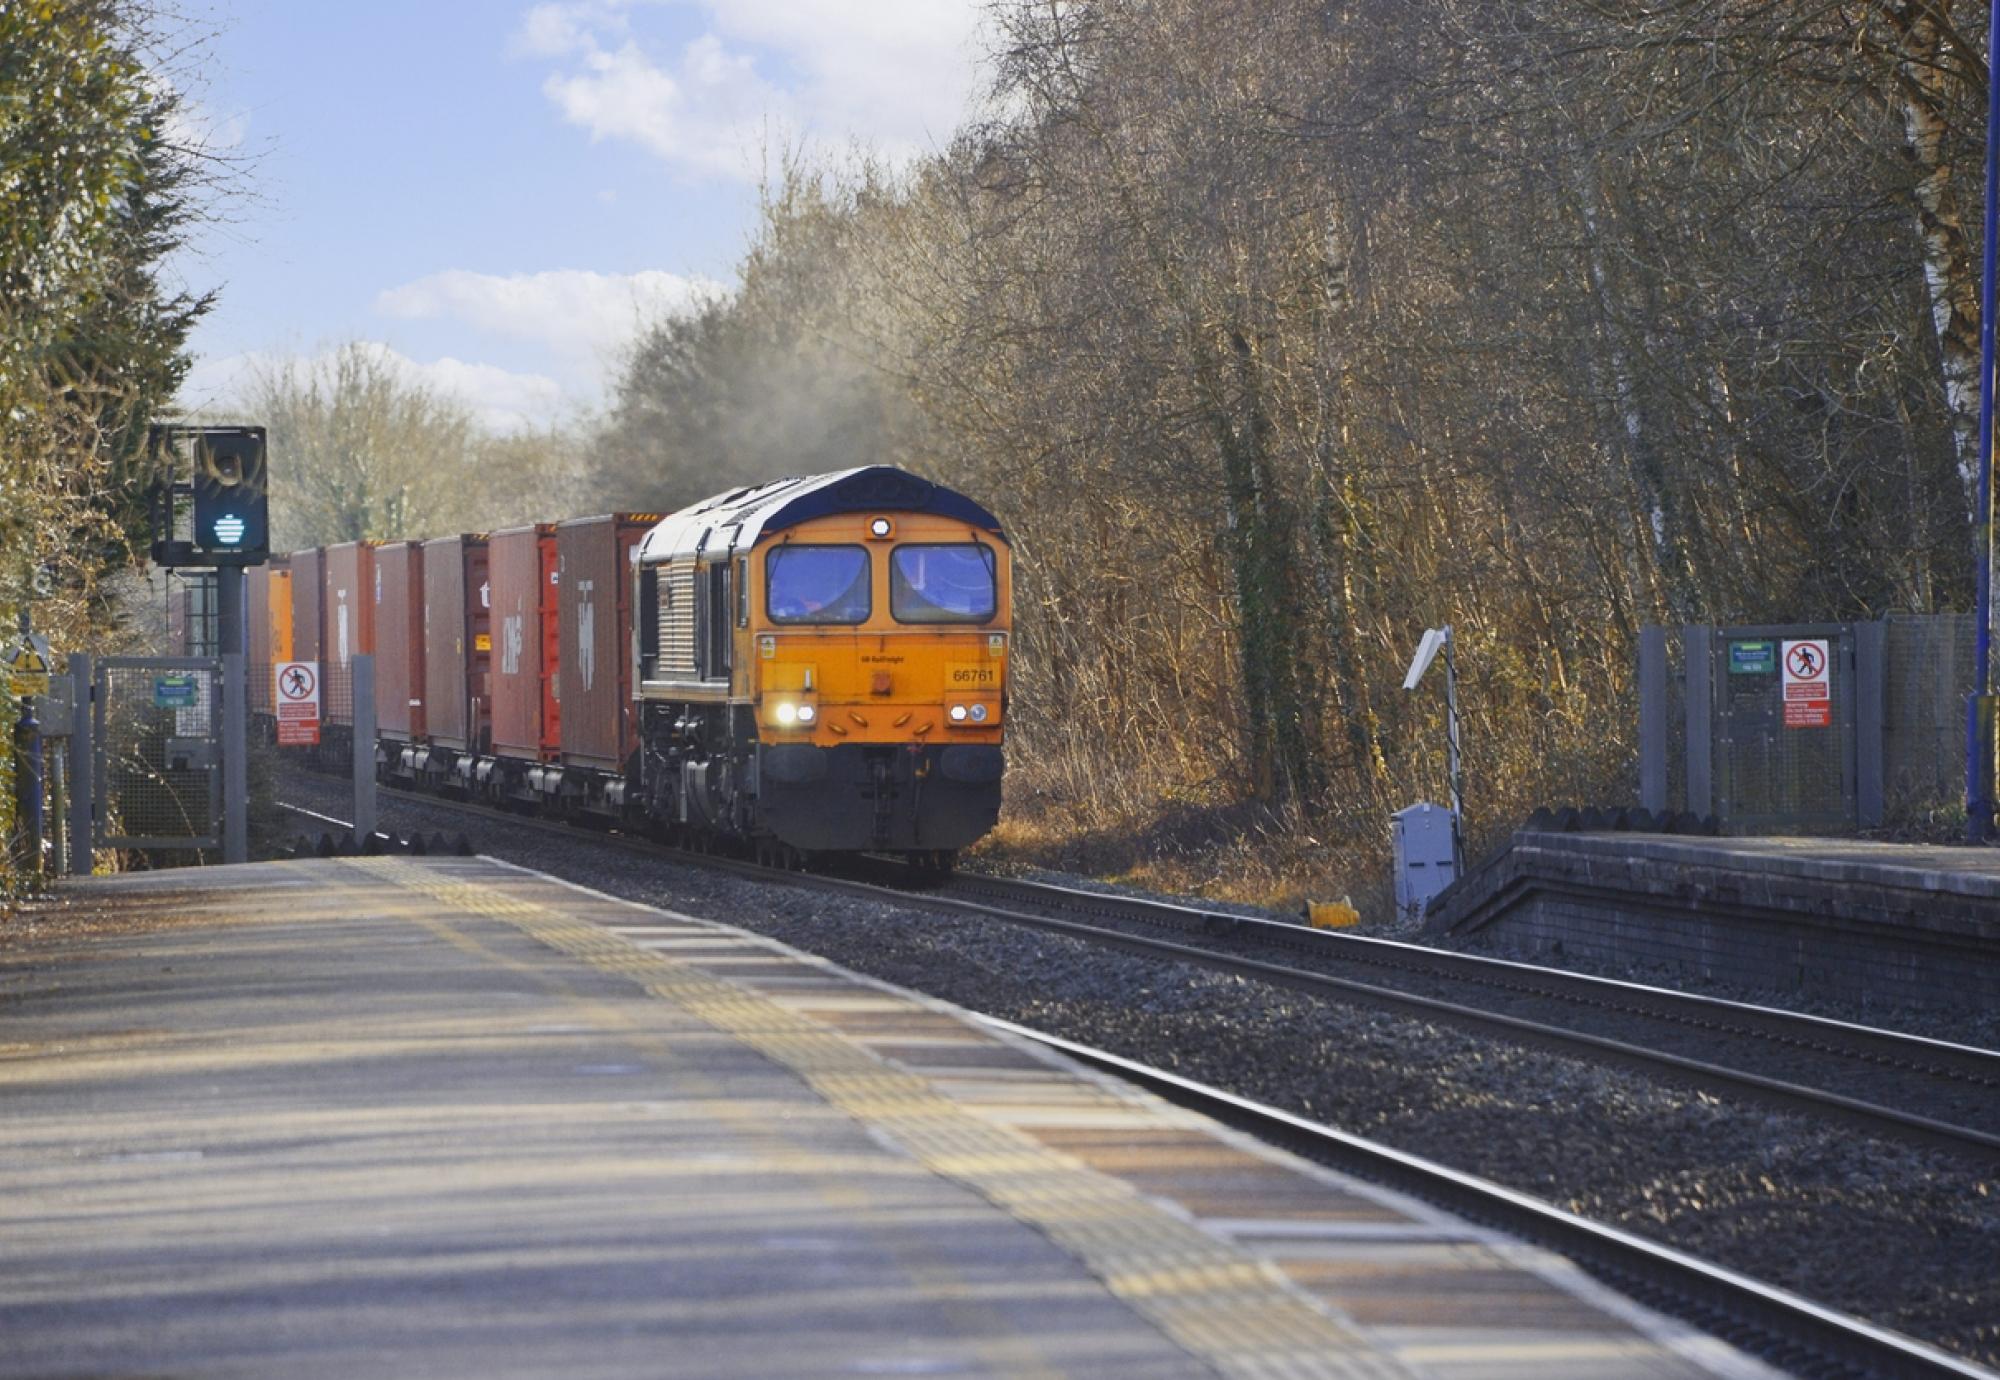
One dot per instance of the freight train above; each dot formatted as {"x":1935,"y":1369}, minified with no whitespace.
{"x":808,"y":667}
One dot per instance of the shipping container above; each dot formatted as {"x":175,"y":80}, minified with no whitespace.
{"x":594,"y":555}
{"x":308,"y":603}
{"x":400,"y":659}
{"x":521,"y":566}
{"x":268,"y":634}
{"x":349,"y":630}
{"x":458,"y":640}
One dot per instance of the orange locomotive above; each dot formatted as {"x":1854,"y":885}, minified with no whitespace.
{"x":822,"y":665}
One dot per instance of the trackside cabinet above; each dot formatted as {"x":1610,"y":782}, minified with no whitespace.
{"x":1420,"y":843}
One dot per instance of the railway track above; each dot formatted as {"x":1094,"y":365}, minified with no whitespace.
{"x":1919,"y":1090}
{"x":1931,"y":1090}
{"x":1781,"y":1327}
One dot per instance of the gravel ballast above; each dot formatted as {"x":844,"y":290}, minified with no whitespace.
{"x":1905,"y":1237}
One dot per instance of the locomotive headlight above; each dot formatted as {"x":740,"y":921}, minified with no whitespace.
{"x":788,"y":713}
{"x":979,"y":713}
{"x":958,"y":713}
{"x":807,"y":713}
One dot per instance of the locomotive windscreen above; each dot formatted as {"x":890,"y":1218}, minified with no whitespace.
{"x":818,"y":584}
{"x":942,"y":584}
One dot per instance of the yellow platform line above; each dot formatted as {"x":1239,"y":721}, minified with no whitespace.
{"x":1235,"y":1312}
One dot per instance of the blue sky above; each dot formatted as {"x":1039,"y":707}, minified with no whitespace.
{"x":498,"y":193}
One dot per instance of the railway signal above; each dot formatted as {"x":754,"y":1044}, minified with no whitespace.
{"x":223,"y":504}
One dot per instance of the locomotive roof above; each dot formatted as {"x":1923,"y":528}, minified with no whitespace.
{"x":738,"y":519}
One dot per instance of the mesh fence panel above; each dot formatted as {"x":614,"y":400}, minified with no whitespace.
{"x":1929,"y":674}
{"x":1677,"y":756}
{"x":159,"y":759}
{"x":336,"y":693}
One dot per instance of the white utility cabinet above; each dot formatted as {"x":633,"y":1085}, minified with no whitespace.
{"x":1421,"y":844}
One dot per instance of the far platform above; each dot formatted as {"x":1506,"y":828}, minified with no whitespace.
{"x":447,"y":1117}
{"x":1856,"y":919}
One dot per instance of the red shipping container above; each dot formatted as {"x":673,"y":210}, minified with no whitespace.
{"x":595,"y":557}
{"x":308,"y":603}
{"x":521,"y":565}
{"x":400,"y":662}
{"x":349,"y":630}
{"x":458,"y":640}
{"x":259,"y":649}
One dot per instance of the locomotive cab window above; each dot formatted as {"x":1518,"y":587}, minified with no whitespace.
{"x":817,"y":584}
{"x":953,"y":583}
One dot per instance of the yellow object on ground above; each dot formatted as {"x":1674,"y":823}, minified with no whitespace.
{"x":1332,"y":915}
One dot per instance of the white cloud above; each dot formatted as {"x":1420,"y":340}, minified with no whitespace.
{"x":583,"y":317}
{"x":500,"y":399}
{"x":894,"y":75}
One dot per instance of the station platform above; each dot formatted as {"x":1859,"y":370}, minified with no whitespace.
{"x":449,"y":1117}
{"x":1859,"y":920}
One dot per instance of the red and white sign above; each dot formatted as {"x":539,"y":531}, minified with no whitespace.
{"x":1805,"y":668}
{"x":298,"y":703}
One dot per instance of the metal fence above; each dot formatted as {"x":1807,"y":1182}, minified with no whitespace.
{"x":1928,"y":676}
{"x":157,"y":735}
{"x":1714,"y":740}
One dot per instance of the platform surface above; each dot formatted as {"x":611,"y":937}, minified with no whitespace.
{"x":446,"y":1117}
{"x":1925,"y":867}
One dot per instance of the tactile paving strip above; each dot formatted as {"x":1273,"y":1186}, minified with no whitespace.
{"x":1236,"y":1313}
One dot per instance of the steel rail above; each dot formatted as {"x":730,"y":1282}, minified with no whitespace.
{"x":1820,"y":1034}
{"x":1789,"y":1330}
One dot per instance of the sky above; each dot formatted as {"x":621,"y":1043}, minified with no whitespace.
{"x":497,"y":195}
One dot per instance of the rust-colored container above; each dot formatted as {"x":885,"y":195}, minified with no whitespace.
{"x":400,"y":660}
{"x":458,"y":643}
{"x":308,"y":603}
{"x":269,"y":631}
{"x":595,"y":559}
{"x":349,"y":630}
{"x":527,"y":720}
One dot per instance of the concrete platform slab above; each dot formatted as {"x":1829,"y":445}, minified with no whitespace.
{"x":403,"y":1116}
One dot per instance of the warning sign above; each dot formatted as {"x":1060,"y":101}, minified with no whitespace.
{"x":298,"y":703}
{"x":26,"y":665}
{"x":1808,"y":684}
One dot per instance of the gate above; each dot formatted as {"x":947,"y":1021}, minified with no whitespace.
{"x":1773,"y":774}
{"x":158,"y":749}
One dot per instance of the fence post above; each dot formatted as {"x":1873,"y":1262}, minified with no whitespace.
{"x":362,"y":671}
{"x":1653,"y":719}
{"x":1871,"y":672}
{"x":82,"y":769}
{"x":1698,"y":657}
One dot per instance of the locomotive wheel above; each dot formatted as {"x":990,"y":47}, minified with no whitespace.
{"x":932,"y":864}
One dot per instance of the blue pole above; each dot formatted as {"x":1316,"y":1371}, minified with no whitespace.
{"x":1978,"y":743}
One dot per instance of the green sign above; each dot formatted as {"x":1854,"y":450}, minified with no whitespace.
{"x":173,"y":692}
{"x":1753,"y":658}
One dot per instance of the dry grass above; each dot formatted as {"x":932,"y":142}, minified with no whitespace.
{"x":1188,"y":842}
